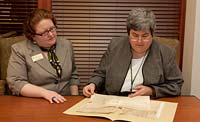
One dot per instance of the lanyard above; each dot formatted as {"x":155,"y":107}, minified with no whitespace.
{"x":133,"y":79}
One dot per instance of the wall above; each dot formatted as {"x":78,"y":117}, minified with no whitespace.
{"x":191,"y":56}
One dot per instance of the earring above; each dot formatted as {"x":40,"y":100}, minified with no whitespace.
{"x":34,"y":42}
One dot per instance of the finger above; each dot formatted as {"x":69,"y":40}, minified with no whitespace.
{"x":134,"y":94}
{"x":51,"y":101}
{"x":92,"y":91}
{"x":61,"y":98}
{"x":88,"y":93}
{"x":138,"y":87}
{"x":85,"y":91}
{"x":131,"y":95}
{"x":55,"y":100}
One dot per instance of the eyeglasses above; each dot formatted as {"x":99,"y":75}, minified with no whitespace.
{"x":46,"y":33}
{"x":136,"y":37}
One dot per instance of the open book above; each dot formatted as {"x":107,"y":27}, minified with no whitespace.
{"x":140,"y":108}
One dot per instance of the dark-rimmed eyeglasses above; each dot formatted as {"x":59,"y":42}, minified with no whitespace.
{"x":46,"y":33}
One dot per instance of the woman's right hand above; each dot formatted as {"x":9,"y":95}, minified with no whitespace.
{"x":89,"y":90}
{"x":30,"y":90}
{"x":53,"y":97}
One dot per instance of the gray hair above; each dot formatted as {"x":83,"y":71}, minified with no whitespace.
{"x":141,"y":19}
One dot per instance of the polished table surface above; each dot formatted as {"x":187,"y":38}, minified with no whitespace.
{"x":22,"y":109}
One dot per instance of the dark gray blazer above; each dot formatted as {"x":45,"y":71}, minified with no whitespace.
{"x":160,"y":69}
{"x":22,"y":69}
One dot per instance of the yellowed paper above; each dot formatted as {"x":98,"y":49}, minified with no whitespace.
{"x":139,"y":108}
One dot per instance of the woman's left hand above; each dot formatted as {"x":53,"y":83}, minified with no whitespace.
{"x":141,"y":90}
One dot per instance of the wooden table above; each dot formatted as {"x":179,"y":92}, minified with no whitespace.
{"x":22,"y":109}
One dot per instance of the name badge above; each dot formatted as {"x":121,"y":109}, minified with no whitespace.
{"x":37,"y":57}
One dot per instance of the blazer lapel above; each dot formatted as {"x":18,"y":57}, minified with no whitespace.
{"x":151,"y":66}
{"x":43,"y":62}
{"x":120,"y":66}
{"x":124,"y":64}
{"x":61,"y":51}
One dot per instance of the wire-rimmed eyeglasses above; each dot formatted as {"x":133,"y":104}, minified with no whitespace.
{"x":144,"y":37}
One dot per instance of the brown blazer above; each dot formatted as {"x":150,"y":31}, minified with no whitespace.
{"x":22,"y":69}
{"x":160,"y":69}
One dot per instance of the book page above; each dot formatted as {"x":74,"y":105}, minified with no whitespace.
{"x":139,"y":108}
{"x":138,"y":102}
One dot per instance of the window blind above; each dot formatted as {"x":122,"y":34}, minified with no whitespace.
{"x":12,"y":14}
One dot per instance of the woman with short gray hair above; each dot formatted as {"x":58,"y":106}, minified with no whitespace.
{"x":136,"y":64}
{"x":141,"y":19}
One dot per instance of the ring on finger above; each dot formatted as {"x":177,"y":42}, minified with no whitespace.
{"x":53,"y":97}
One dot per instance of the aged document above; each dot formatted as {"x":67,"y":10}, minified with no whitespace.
{"x":139,"y":108}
